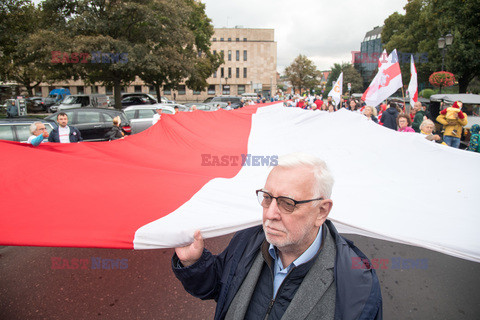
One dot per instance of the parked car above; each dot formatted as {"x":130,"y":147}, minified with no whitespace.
{"x":55,"y":97}
{"x":132,"y":99}
{"x":141,"y":117}
{"x":36,"y":104}
{"x":82,"y":101}
{"x":94,"y":123}
{"x":18,"y":129}
{"x":236,"y":101}
{"x":202,"y":106}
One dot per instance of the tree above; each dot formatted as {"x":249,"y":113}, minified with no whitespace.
{"x":419,"y":29}
{"x":350,"y":75}
{"x":302,"y":74}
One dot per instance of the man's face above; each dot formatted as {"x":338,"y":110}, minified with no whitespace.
{"x":62,"y":121}
{"x":292,"y":232}
{"x":40,"y":129}
{"x":428,"y":128}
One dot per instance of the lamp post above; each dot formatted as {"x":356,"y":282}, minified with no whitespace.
{"x":443,"y":43}
{"x":226,"y":83}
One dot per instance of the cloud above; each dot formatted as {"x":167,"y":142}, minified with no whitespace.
{"x":325,"y":31}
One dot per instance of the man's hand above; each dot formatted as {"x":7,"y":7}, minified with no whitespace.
{"x":188,"y":255}
{"x":436,"y":137}
{"x":45,"y":134}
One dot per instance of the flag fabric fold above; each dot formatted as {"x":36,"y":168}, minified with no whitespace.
{"x":413,"y":86}
{"x":200,"y":170}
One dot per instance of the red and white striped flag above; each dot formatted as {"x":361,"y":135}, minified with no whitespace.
{"x":154,"y":188}
{"x":413,"y":86}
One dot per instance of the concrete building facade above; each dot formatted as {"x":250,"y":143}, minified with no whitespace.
{"x":250,"y":66}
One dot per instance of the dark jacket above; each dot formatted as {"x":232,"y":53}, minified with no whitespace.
{"x":219,"y":277}
{"x":75,"y":135}
{"x":114,"y":133}
{"x":389,"y":118}
{"x":417,"y":120}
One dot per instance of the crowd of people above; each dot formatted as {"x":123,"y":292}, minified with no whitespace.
{"x":393,"y":115}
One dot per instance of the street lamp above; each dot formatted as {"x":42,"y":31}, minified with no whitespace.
{"x":443,"y":43}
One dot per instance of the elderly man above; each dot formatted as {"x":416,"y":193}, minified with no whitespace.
{"x":295,"y":266}
{"x":157,"y":116}
{"x":39,"y":133}
{"x":64,"y":133}
{"x":419,"y":116}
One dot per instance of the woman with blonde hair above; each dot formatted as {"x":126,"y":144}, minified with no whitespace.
{"x":370,"y":113}
{"x":116,"y":132}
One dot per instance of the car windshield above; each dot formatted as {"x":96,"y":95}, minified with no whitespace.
{"x":76,"y":100}
{"x":52,"y":96}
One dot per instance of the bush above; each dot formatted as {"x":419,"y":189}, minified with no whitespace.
{"x":426,"y":93}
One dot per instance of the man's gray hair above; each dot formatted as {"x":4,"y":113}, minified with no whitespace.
{"x":33,"y":126}
{"x":323,"y":176}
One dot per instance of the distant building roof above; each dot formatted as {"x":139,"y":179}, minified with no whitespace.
{"x":373,"y":34}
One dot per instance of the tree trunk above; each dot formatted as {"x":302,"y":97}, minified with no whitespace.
{"x":117,"y":94}
{"x":157,"y":90}
{"x":463,"y":83}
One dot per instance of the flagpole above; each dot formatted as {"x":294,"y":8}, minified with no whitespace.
{"x":404,"y":106}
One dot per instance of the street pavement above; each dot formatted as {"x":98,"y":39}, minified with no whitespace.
{"x":144,"y":287}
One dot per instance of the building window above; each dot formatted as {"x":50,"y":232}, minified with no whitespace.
{"x":214,"y":39}
{"x":229,"y":55}
{"x":215,"y":74}
{"x":229,"y":39}
{"x":94,"y":89}
{"x":221,"y":39}
{"x":196,"y":92}
{"x":244,"y":55}
{"x":138,"y":88}
{"x":237,"y":39}
{"x":244,"y":39}
{"x":222,"y":54}
{"x":167,"y":90}
{"x":181,"y":89}
{"x":222,"y":73}
{"x":237,"y":73}
{"x":226,"y":90}
{"x":109,"y":90}
{"x":237,"y":55}
{"x":151,"y":89}
{"x":81,"y":90}
{"x":244,"y":72}
{"x":241,"y":89}
{"x":211,"y":89}
{"x":229,"y":72}
{"x":123,"y":89}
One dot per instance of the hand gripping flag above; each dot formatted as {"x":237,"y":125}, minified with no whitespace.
{"x":336,"y":92}
{"x":412,"y":86}
{"x":200,"y":170}
{"x":386,"y":82}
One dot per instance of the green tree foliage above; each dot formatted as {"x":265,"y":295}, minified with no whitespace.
{"x":418,"y":30}
{"x":350,"y":75}
{"x":302,"y":73}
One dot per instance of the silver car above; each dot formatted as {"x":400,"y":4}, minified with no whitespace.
{"x":141,"y":117}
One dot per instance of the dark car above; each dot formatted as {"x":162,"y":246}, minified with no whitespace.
{"x":18,"y":129}
{"x":36,"y":104}
{"x":236,"y":101}
{"x":134,"y":99}
{"x":94,"y":123}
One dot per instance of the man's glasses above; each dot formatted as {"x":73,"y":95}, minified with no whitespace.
{"x":285,"y":204}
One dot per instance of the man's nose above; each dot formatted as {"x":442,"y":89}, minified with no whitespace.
{"x":273,"y":211}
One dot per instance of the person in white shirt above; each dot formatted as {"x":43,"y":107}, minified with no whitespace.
{"x":157,"y":116}
{"x":39,"y":133}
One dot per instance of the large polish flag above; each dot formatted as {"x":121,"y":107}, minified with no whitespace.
{"x":336,"y":92}
{"x":154,"y":188}
{"x":383,"y":59}
{"x":386,"y":82}
{"x":412,"y":86}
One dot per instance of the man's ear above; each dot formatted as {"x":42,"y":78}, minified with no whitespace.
{"x":323,"y":211}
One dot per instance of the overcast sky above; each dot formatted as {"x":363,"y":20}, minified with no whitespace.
{"x":325,"y":31}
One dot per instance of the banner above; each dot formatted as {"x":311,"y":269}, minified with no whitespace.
{"x":200,"y":170}
{"x":336,"y":92}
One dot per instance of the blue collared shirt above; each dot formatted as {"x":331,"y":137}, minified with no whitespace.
{"x":280,"y":273}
